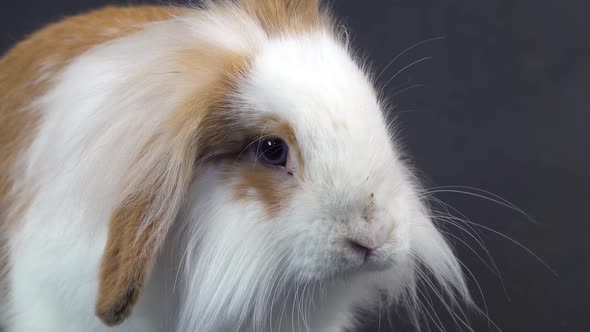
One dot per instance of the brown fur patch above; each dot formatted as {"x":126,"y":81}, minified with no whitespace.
{"x":27,"y":69}
{"x":202,"y":129}
{"x":270,"y":187}
{"x":285,"y":16}
{"x":125,"y":262}
{"x":137,"y":228}
{"x":26,"y":72}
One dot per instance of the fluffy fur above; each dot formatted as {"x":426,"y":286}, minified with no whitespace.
{"x":135,"y":202}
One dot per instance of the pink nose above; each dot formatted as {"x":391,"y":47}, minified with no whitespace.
{"x":370,"y":234}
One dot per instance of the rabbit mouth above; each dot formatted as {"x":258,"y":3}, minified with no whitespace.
{"x":361,"y":259}
{"x":375,"y":260}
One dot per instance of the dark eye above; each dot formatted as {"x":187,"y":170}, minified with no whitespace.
{"x":273,"y":151}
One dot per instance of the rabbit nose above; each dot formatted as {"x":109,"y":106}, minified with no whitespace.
{"x":370,"y":236}
{"x":371,"y":231}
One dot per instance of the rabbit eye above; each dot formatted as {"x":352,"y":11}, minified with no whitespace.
{"x":273,"y":151}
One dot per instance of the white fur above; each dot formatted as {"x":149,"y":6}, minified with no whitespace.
{"x":225,"y":265}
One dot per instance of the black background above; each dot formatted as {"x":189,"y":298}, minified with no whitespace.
{"x":504,"y":108}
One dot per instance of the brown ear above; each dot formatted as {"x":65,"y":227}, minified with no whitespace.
{"x":156,"y":185}
{"x":278,"y":16}
{"x":126,"y":262}
{"x":137,"y":228}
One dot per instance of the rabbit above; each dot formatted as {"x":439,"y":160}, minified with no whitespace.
{"x":223,"y":167}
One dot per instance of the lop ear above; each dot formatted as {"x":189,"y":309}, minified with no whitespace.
{"x":156,"y":185}
{"x":278,"y":16}
{"x":137,"y":228}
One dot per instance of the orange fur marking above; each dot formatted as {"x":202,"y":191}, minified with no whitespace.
{"x":125,"y":263}
{"x":265,"y":185}
{"x":285,"y":16}
{"x":26,"y":72}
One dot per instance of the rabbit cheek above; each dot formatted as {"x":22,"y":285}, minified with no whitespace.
{"x":272,"y":188}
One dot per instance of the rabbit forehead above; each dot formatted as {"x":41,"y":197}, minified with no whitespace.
{"x":312,"y":82}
